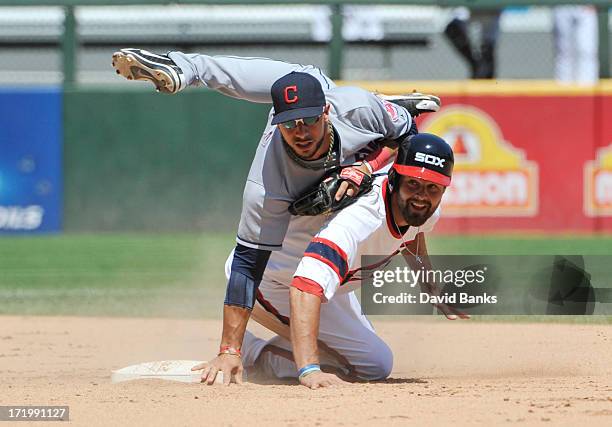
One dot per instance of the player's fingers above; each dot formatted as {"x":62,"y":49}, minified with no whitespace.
{"x":340,"y":381}
{"x":199,"y":366}
{"x":446,"y":311}
{"x":238,"y":375}
{"x":227,"y":379}
{"x":212,"y":374}
{"x":341,"y":190}
{"x":205,"y":373}
{"x":351,"y":191}
{"x":460,"y":313}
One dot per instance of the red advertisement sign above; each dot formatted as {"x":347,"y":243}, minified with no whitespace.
{"x":529,"y":157}
{"x":491,"y":176}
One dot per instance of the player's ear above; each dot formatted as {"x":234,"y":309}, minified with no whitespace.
{"x":326,"y":109}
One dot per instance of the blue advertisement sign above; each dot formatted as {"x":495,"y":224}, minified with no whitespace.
{"x":30,"y":160}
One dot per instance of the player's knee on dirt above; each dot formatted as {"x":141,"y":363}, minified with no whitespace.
{"x":377,"y":363}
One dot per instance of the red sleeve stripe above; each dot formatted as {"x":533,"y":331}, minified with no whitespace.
{"x":307,"y":285}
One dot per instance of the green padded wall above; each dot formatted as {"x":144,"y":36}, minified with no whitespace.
{"x":139,"y":160}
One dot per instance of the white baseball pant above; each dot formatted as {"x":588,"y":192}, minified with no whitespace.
{"x":342,"y":327}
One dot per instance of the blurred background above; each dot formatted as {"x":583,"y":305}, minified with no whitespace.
{"x":111,"y":194}
{"x":381,"y":41}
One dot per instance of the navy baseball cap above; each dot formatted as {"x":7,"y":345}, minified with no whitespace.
{"x":426,"y":156}
{"x":296,"y":96}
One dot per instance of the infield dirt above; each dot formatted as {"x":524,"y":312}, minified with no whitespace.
{"x":445,"y":373}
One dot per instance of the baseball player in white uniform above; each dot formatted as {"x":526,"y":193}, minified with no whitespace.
{"x":312,"y":280}
{"x":314,"y":126}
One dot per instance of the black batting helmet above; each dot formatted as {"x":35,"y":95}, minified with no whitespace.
{"x":425,"y":156}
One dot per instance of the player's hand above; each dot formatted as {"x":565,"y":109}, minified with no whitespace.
{"x":348,"y":187}
{"x":229,"y":364}
{"x":321,"y":379}
{"x":451,"y":313}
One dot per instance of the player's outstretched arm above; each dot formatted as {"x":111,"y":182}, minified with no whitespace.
{"x":416,"y":255}
{"x":305,"y":312}
{"x":228,"y":359}
{"x":248,"y":265}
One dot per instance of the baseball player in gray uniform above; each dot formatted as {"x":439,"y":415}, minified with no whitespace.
{"x":314,"y":126}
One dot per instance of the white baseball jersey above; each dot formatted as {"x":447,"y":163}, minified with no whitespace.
{"x":332,"y":258}
{"x":359,"y":118}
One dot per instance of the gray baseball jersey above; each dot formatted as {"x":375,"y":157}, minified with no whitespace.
{"x":360,"y":120}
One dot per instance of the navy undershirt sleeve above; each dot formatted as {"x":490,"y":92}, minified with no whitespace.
{"x":247,"y":270}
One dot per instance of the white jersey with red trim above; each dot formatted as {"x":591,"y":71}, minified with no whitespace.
{"x":327,"y":251}
{"x":333,"y":258}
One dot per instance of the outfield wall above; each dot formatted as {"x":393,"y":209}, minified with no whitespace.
{"x":30,"y":160}
{"x":139,"y":160}
{"x":530,"y":156}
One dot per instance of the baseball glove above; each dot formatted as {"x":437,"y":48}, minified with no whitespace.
{"x":320,"y":199}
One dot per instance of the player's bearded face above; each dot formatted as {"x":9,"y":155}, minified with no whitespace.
{"x":309,"y":142}
{"x":418,"y":199}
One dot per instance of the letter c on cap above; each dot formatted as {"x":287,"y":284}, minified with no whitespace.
{"x":294,"y":97}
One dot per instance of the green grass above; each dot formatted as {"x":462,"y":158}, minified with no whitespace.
{"x":180,"y":275}
{"x":115,"y":274}
{"x":113,"y":260}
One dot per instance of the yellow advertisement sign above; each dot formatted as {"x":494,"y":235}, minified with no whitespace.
{"x":598,"y":184}
{"x":491,"y":178}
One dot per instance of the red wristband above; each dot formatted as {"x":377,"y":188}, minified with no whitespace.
{"x":380,"y":158}
{"x":228,"y":349}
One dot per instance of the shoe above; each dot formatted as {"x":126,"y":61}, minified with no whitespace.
{"x":139,"y":64}
{"x":416,"y":103}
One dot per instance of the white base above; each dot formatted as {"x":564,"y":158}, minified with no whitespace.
{"x":172,"y":370}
